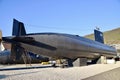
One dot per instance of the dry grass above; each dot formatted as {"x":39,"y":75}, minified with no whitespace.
{"x":110,"y":37}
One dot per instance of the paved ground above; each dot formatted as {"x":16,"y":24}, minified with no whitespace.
{"x":92,"y":72}
{"x":109,"y":75}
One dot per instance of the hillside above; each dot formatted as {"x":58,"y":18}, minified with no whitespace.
{"x":110,"y":37}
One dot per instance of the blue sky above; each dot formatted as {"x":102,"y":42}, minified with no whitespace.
{"x":63,"y":16}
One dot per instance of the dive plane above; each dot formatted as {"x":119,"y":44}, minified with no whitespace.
{"x":5,"y":55}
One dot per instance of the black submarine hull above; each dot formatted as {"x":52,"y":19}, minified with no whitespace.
{"x":62,"y":45}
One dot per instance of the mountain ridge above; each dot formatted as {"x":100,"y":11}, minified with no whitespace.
{"x":110,"y":37}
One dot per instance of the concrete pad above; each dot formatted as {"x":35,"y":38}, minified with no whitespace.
{"x":73,"y":73}
{"x":109,"y":75}
{"x":80,"y":62}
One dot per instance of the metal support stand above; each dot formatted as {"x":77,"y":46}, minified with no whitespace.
{"x":26,"y":58}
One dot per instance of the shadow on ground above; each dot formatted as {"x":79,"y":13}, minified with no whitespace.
{"x":22,"y":68}
{"x":2,"y":76}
